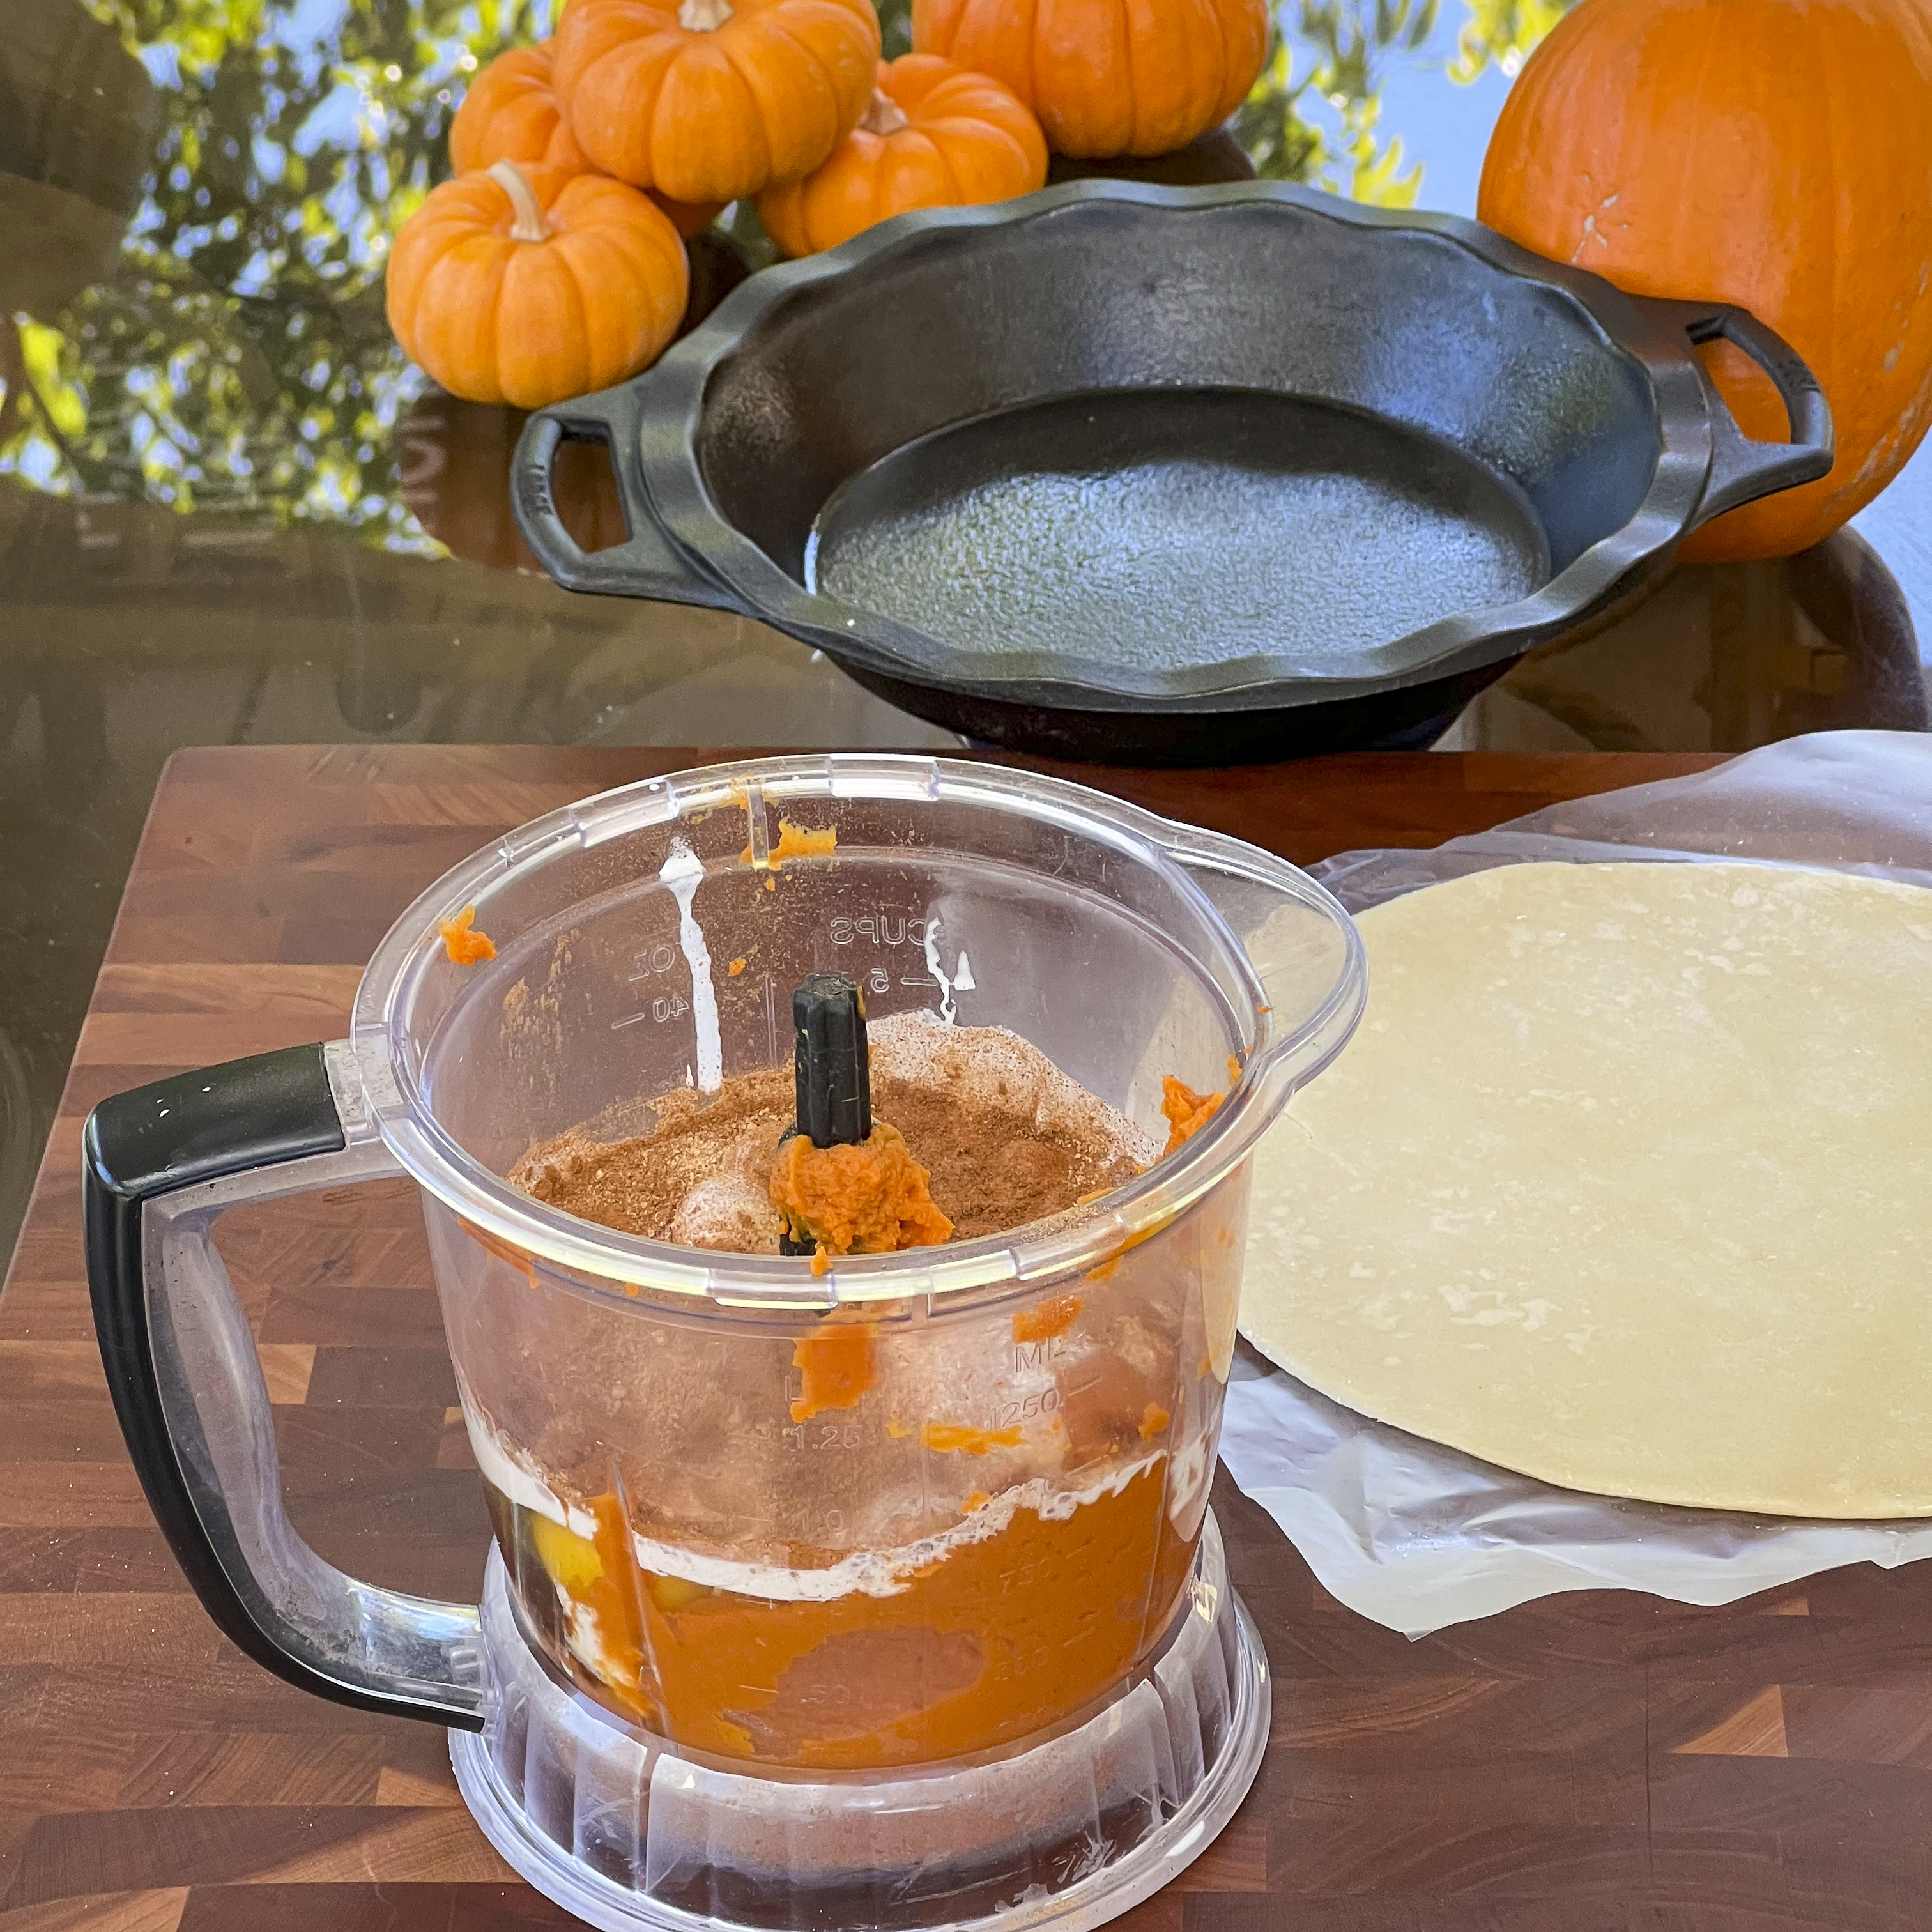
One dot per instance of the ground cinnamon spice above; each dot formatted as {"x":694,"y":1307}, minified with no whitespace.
{"x":700,"y":1178}
{"x":1005,"y":1137}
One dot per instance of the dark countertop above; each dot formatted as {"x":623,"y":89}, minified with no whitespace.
{"x":1599,"y":1761}
{"x":230,"y":514}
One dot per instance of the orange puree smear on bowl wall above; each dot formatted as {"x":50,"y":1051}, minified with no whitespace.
{"x":462,"y":942}
{"x":958,"y":1438}
{"x":1187,"y":1111}
{"x":795,"y":841}
{"x":1045,"y":1319}
{"x":837,"y":1364}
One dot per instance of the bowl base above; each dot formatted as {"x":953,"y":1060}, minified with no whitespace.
{"x":1067,"y":1831}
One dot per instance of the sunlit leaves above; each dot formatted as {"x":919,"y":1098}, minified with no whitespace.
{"x":298,"y":134}
{"x":1502,"y":33}
{"x":54,"y":380}
{"x":237,"y":359}
{"x":1312,"y":116}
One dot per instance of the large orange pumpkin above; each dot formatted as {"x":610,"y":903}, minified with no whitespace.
{"x":511,"y":113}
{"x":709,"y":100}
{"x":933,"y":136}
{"x":1777,"y":153}
{"x":1107,"y":79}
{"x":531,"y":285}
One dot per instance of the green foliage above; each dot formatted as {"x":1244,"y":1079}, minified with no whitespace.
{"x":237,"y":358}
{"x":1331,"y":58}
{"x":896,"y":26}
{"x":1503,"y":33}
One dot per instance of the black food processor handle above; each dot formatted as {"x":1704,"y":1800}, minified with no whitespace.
{"x":649,"y":562}
{"x":160,"y":1165}
{"x":1742,"y":471}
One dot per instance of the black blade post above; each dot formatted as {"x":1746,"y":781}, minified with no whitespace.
{"x":833,"y":1070}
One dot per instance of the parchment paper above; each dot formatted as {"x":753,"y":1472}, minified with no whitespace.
{"x":1416,"y":1536}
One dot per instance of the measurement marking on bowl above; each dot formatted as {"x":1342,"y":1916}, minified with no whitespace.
{"x":666,"y":1007}
{"x":659,"y":959}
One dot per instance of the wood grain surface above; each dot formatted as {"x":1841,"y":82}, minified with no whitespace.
{"x":1592,"y":1763}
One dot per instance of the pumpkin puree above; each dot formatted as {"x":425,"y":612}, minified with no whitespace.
{"x":1187,"y":1111}
{"x":993,"y":1641}
{"x":464,"y":944}
{"x":871,"y":1198}
{"x":1045,"y":1319}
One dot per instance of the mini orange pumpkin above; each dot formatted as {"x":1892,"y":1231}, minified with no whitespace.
{"x":1107,"y":79}
{"x":531,"y":285}
{"x":709,"y":100}
{"x":933,"y":136}
{"x":511,"y":113}
{"x":1777,"y":153}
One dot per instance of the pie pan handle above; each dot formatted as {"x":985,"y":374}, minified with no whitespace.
{"x":648,"y":563}
{"x":1742,"y":470}
{"x":160,"y":1165}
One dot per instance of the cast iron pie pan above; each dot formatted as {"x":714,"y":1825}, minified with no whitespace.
{"x":1173,"y":475}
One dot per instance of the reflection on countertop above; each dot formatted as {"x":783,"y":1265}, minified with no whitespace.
{"x":230,"y":511}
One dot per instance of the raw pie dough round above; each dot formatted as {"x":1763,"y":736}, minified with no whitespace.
{"x":1626,"y":1182}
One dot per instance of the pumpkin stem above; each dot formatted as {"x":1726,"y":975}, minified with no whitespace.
{"x":883,"y":114}
{"x":703,"y":16}
{"x":527,"y":222}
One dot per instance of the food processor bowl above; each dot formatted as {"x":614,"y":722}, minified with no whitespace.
{"x":886,"y":1579}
